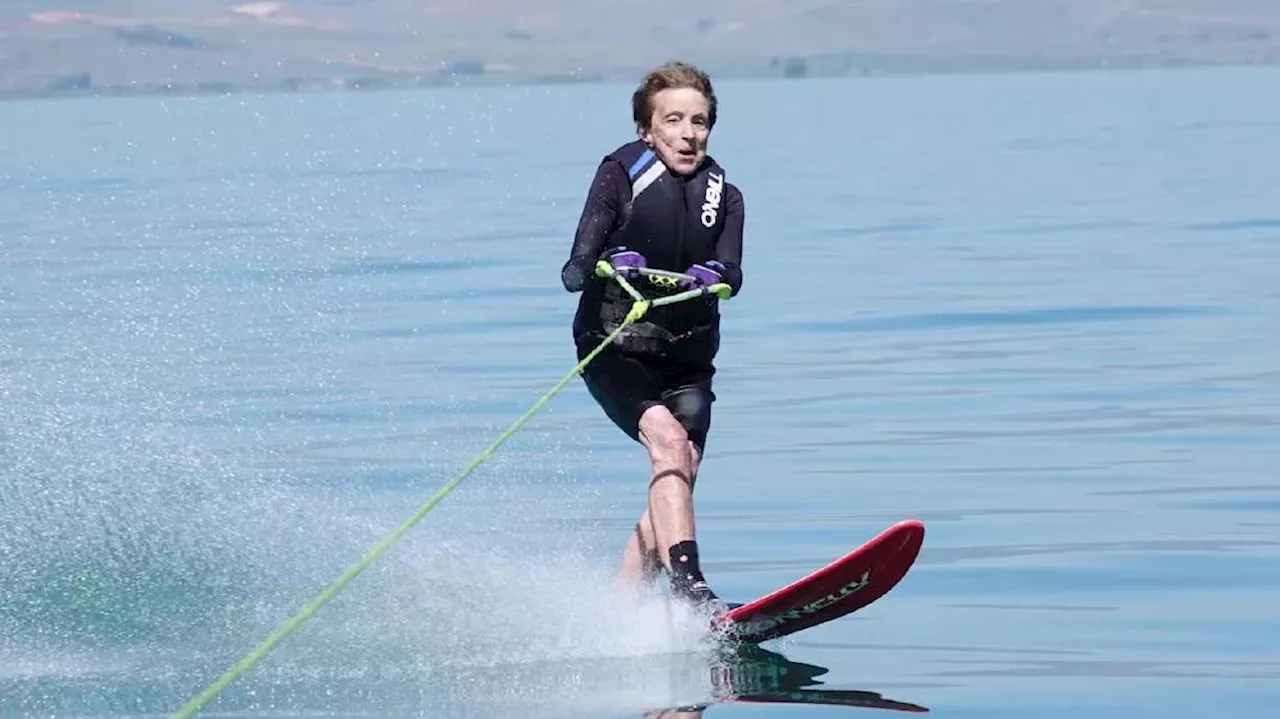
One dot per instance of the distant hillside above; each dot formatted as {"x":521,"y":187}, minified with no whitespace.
{"x":158,"y":45}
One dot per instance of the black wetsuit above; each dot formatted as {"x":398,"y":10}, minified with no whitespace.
{"x":675,"y":222}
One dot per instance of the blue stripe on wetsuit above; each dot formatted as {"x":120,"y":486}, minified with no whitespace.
{"x":639,"y":164}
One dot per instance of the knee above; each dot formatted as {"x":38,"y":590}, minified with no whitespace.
{"x":664,"y":434}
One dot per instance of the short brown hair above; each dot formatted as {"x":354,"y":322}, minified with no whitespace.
{"x":669,"y":76}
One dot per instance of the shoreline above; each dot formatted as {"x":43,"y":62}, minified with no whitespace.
{"x":817,"y":69}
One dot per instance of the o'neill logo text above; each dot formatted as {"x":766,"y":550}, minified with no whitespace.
{"x":715,"y":186}
{"x":759,"y":626}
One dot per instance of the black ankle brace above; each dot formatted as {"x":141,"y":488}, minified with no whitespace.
{"x":685,"y":571}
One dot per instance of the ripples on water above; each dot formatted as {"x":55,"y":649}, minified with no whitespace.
{"x":245,"y":337}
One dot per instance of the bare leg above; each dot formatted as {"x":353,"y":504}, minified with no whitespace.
{"x":673,"y":461}
{"x":671,"y":473}
{"x":642,"y":560}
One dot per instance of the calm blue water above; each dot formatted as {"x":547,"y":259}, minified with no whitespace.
{"x":242,"y":338}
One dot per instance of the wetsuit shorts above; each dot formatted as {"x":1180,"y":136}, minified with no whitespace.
{"x":626,"y":385}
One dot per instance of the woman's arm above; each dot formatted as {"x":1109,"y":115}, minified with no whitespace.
{"x":598,"y":220}
{"x":729,"y":245}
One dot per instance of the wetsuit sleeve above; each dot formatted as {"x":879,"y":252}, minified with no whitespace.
{"x":729,"y":245}
{"x":599,"y":217}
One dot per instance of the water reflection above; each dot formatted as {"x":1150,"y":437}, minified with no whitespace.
{"x":756,"y":675}
{"x":668,"y":686}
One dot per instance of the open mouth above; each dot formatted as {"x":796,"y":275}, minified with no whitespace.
{"x":687,"y":154}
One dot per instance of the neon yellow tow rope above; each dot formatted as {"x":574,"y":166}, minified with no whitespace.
{"x":638,"y":310}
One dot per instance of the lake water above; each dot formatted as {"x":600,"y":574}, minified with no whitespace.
{"x":242,"y":338}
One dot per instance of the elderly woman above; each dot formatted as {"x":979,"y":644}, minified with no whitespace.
{"x":660,"y":202}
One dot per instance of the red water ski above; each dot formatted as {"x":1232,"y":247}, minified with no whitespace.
{"x":846,"y":585}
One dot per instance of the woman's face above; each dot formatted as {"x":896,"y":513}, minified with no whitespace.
{"x":678,"y":128}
